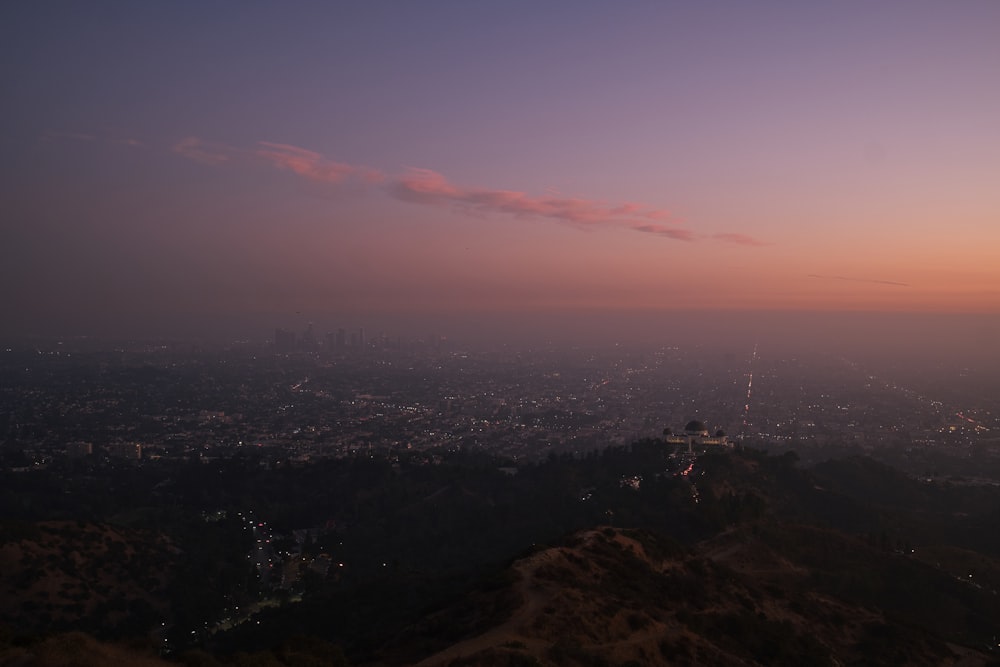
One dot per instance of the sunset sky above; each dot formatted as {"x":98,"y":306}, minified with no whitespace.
{"x":249,"y":161}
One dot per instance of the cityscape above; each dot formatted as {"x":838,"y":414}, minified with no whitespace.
{"x":297,"y":398}
{"x":500,"y":334}
{"x":296,"y":457}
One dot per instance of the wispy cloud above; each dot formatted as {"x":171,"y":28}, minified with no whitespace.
{"x":424,"y":186}
{"x":105,"y":138}
{"x":678,"y":233}
{"x":300,"y":161}
{"x":860,"y":280}
{"x":195,"y":149}
{"x":738,"y":239}
{"x":131,"y":143}
{"x":312,"y":165}
{"x":430,"y":188}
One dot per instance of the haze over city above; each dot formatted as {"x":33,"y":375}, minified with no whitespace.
{"x":557,"y":333}
{"x":556,"y":169}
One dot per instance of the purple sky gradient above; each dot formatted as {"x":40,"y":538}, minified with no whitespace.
{"x":184,"y":162}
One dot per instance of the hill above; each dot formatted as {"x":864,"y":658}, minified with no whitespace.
{"x":614,"y":596}
{"x":636,"y":554}
{"x":77,"y":575}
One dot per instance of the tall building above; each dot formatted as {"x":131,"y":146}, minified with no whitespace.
{"x":308,"y":338}
{"x":284,"y":340}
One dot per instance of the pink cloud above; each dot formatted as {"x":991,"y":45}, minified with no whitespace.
{"x":738,"y":239}
{"x":306,"y":163}
{"x":195,"y":149}
{"x":430,"y":188}
{"x":662,"y":230}
{"x":860,"y":280}
{"x":424,"y":186}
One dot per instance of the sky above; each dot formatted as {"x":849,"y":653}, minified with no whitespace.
{"x":188,"y":164}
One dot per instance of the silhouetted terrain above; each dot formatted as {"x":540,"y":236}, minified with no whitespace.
{"x":628,"y":554}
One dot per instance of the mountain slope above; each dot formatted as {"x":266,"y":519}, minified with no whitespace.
{"x":613,"y":596}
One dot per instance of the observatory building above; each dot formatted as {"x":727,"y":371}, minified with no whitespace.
{"x":695,"y":434}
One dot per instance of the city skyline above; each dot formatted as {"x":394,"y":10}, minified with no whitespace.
{"x":355,"y":162}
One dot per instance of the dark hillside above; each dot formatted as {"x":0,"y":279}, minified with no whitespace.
{"x":735,"y":557}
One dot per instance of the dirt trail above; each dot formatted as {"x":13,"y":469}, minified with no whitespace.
{"x":533,"y":599}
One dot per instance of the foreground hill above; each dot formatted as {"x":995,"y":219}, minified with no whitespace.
{"x":637,"y":554}
{"x":612,"y":597}
{"x":68,"y":574}
{"x":75,"y":649}
{"x":848,"y":564}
